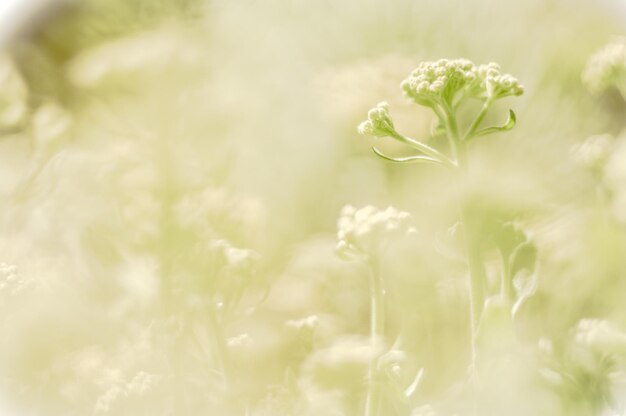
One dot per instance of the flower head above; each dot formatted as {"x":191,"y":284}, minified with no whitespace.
{"x":441,"y":81}
{"x":378,"y":123}
{"x":433,"y":82}
{"x":363,"y":231}
{"x":606,"y":67}
{"x":492,"y":84}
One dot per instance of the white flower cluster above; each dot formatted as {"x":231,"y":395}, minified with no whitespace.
{"x":233,"y":257}
{"x":493,"y":84}
{"x":600,"y":335}
{"x":10,"y":282}
{"x":378,"y":123}
{"x":434,"y":82}
{"x":606,"y":67}
{"x":363,"y":231}
{"x":431,"y":81}
{"x":239,"y":341}
{"x":137,"y":387}
{"x":308,"y":323}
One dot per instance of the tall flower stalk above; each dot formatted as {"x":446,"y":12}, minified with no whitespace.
{"x":445,"y":86}
{"x":362,"y":235}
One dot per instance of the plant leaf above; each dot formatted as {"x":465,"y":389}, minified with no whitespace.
{"x":408,"y":159}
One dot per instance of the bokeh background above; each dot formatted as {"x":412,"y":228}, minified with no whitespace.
{"x":172,"y":171}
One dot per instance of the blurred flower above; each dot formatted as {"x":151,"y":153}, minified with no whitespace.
{"x":11,"y":283}
{"x":217,"y":211}
{"x":364,"y":231}
{"x":593,"y":152}
{"x":601,"y":336}
{"x":343,"y":365}
{"x":137,"y":387}
{"x":238,"y":341}
{"x":234,"y":258}
{"x":308,"y":323}
{"x":607,"y":67}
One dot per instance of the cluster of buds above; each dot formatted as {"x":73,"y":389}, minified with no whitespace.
{"x":11,"y":283}
{"x":137,"y":387}
{"x":440,"y":82}
{"x":607,"y":67}
{"x":365,"y":231}
{"x":432,"y":82}
{"x":378,"y":123}
{"x":493,"y":85}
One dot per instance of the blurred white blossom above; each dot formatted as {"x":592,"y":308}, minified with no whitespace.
{"x":366,"y":230}
{"x":11,"y":283}
{"x":607,"y":67}
{"x":593,"y":152}
{"x":308,"y":323}
{"x":600,"y":335}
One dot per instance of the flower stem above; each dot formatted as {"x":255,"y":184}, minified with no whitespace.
{"x":476,"y":286}
{"x":479,"y":118}
{"x":377,"y":331}
{"x":474,"y":261}
{"x":506,"y":284}
{"x":221,"y":349}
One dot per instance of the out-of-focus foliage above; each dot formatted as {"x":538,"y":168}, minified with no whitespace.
{"x":172,"y":172}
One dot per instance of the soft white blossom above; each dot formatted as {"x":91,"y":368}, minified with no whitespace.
{"x":364,"y":231}
{"x":593,"y":151}
{"x":600,"y":335}
{"x":607,"y":67}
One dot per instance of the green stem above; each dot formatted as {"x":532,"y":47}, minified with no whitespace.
{"x":474,"y":260}
{"x":506,"y":284}
{"x":377,"y":332}
{"x":476,"y":123}
{"x":221,"y":349}
{"x":453,"y":133}
{"x":476,"y":286}
{"x":427,"y":150}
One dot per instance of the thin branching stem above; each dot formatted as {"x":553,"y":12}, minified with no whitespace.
{"x":474,"y":261}
{"x":221,"y":348}
{"x":377,"y":332}
{"x":476,"y":123}
{"x":424,"y":148}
